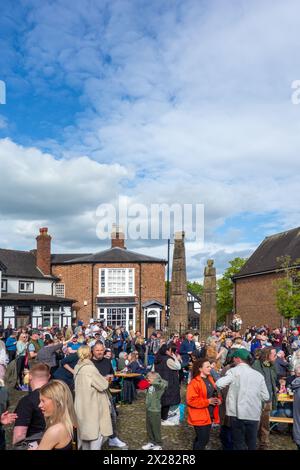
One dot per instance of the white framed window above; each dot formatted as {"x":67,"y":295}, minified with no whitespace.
{"x":60,"y":289}
{"x":116,"y":281}
{"x":3,"y":285}
{"x":118,"y":316}
{"x":102,"y":315}
{"x":26,"y":286}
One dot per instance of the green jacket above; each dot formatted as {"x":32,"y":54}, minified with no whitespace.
{"x":154,"y":393}
{"x":38,"y":344}
{"x":11,"y":376}
{"x":270,"y":375}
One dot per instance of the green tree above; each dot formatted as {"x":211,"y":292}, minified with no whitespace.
{"x":288,"y":288}
{"x":195,"y":288}
{"x":225,"y":288}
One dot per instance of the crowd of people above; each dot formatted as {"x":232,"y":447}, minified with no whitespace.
{"x":75,"y":377}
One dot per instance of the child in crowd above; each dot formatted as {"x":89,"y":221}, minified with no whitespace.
{"x":153,"y":410}
{"x":282,"y":385}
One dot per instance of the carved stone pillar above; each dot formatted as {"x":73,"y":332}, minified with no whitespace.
{"x":208,"y":317}
{"x":178,"y":299}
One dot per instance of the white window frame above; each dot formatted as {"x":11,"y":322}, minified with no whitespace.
{"x":26,"y":290}
{"x":60,"y":286}
{"x":106,"y":273}
{"x":130,"y":322}
{"x":3,"y":283}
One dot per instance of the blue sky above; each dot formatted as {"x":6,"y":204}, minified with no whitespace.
{"x":182,"y":101}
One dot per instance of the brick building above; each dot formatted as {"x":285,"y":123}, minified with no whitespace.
{"x":118,"y":286}
{"x":254,"y":285}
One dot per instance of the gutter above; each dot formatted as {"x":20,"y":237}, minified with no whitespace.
{"x":234,"y":278}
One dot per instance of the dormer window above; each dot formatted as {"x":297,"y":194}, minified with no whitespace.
{"x":26,"y":287}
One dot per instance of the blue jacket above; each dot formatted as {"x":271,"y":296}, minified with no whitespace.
{"x":11,"y":344}
{"x":185,"y":348}
{"x":255,"y":345}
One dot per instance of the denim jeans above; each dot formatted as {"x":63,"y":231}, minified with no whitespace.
{"x":244,"y":433}
{"x":226,"y":437}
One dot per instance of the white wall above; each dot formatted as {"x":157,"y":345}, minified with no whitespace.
{"x":41,"y":286}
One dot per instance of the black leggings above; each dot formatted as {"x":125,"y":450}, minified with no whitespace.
{"x":165,"y":412}
{"x":20,"y":368}
{"x":202,"y":437}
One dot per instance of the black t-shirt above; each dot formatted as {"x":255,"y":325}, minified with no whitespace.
{"x":104,"y":366}
{"x":210,"y":392}
{"x":29,"y":413}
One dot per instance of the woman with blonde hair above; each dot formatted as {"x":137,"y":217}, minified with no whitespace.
{"x":140,"y":348}
{"x":56,"y":404}
{"x":92,"y":404}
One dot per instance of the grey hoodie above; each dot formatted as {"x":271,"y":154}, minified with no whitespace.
{"x":296,"y":410}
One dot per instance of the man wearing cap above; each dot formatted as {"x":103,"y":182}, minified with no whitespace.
{"x":96,"y":338}
{"x":34,"y":345}
{"x":73,"y":345}
{"x":246,"y":395}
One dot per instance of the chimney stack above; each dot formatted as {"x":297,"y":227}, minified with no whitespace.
{"x":43,"y":252}
{"x":117,"y":237}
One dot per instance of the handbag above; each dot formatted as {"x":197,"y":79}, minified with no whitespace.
{"x":24,"y":444}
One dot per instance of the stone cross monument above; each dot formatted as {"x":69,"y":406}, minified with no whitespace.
{"x":208,"y":317}
{"x":178,"y":299}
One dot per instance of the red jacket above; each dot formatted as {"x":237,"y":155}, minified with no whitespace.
{"x":197,"y":403}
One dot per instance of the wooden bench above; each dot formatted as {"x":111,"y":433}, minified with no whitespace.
{"x":279,"y":419}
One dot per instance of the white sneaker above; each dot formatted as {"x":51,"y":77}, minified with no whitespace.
{"x":116,"y":442}
{"x":148,"y":446}
{"x":168,"y":423}
{"x":156,"y":448}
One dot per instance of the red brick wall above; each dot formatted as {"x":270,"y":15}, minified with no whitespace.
{"x":43,"y":251}
{"x":78,"y":285}
{"x":255,"y":301}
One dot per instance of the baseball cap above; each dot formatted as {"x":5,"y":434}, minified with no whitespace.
{"x":241,"y":353}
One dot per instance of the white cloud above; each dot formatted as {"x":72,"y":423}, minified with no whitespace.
{"x":37,"y":189}
{"x":193,"y":98}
